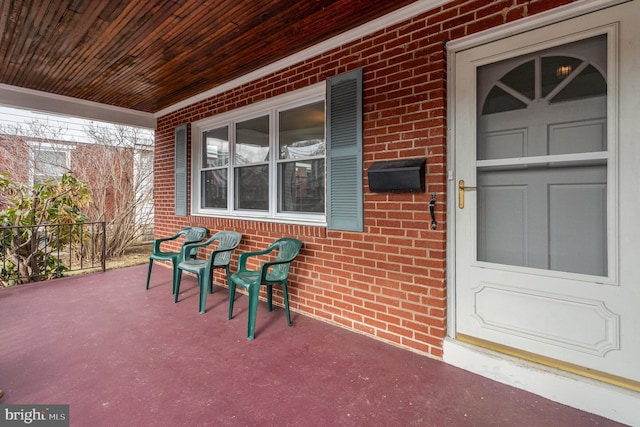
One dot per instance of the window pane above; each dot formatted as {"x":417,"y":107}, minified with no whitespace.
{"x":215,"y":147}
{"x":552,"y":218}
{"x":49,"y":164}
{"x":301,"y":186}
{"x":554,"y":70}
{"x":588,"y":83}
{"x":522,"y":79}
{"x":301,"y":132}
{"x":52,"y":157}
{"x":499,"y":101}
{"x":214,"y":189}
{"x":252,"y":141}
{"x":252,"y":187}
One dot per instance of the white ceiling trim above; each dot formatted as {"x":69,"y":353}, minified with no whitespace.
{"x":370,"y":27}
{"x":18,"y":97}
{"x":29,"y":99}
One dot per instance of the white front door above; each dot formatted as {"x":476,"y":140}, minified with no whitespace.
{"x":547,"y":148}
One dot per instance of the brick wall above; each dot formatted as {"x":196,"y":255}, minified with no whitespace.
{"x":389,"y":281}
{"x":14,"y":158}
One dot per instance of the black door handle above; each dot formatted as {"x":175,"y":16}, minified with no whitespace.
{"x":432,"y":208}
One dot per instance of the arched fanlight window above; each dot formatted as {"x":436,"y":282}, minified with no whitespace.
{"x":560,"y":79}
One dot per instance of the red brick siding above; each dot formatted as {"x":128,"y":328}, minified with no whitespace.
{"x":14,"y":155}
{"x":389,"y":281}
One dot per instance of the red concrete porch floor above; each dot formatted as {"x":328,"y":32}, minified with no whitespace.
{"x":120,"y":355}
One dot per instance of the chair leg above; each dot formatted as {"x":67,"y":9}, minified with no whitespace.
{"x":232,"y":297}
{"x":228,"y":275}
{"x":254,"y":292}
{"x":176,"y":290}
{"x":211,"y":276}
{"x":149,"y":272}
{"x":285,"y":296}
{"x":175,"y":276}
{"x":270,"y":298}
{"x":204,"y":278}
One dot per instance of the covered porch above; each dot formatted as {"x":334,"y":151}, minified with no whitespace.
{"x":121,"y":355}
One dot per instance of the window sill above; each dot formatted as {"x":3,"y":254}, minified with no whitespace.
{"x":308,"y":221}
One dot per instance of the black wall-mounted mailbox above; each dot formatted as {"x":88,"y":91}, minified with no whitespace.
{"x":397,"y":176}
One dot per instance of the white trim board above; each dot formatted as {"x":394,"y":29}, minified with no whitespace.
{"x":29,"y":99}
{"x":588,"y":395}
{"x":370,"y":27}
{"x":42,"y":101}
{"x":18,"y":97}
{"x":396,"y":17}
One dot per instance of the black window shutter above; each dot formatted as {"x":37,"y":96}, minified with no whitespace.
{"x":344,"y":152}
{"x":180,"y":195}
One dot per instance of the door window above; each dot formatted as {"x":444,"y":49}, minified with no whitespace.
{"x":542,"y":160}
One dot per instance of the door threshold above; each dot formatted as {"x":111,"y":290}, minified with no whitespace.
{"x":552,"y":363}
{"x":580,"y":392}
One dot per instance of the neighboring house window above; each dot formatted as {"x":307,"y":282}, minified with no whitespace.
{"x":264,"y":161}
{"x":48,"y":161}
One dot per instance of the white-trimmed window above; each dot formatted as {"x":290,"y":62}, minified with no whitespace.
{"x":266,"y":160}
{"x":48,"y":161}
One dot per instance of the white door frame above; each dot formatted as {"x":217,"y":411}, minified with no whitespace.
{"x":548,"y":382}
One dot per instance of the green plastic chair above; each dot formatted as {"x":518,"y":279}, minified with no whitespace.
{"x":270,"y":273}
{"x":203,"y":268}
{"x":191,"y":235}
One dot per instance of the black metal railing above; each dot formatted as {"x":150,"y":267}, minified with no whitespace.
{"x":39,"y":252}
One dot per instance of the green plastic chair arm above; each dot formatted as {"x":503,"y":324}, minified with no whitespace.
{"x":267,"y":265}
{"x":217,"y":252}
{"x":190,"y":250}
{"x":190,"y":246}
{"x":157,"y":242}
{"x":243,"y":257}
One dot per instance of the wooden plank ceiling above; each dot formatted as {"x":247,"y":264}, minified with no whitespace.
{"x":149,"y":54}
